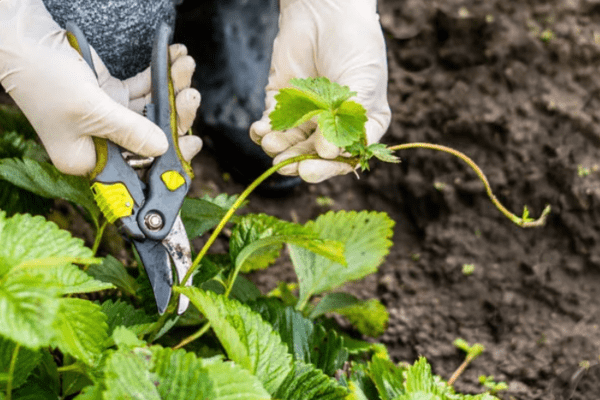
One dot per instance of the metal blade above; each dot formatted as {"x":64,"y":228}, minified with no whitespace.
{"x":158,"y":267}
{"x":178,"y":246}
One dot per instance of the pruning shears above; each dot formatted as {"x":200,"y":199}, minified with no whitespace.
{"x":148,"y":211}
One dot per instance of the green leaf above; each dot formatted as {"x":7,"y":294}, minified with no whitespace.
{"x":68,"y":278}
{"x":113,"y":271}
{"x":34,"y":389}
{"x":91,"y":393}
{"x":15,"y":200}
{"x":124,"y":338}
{"x":124,"y":314}
{"x":294,"y":107}
{"x":257,"y":239}
{"x":306,"y":341}
{"x":244,"y":290}
{"x":201,"y":215}
{"x":27,"y":310}
{"x":81,"y":330}
{"x":247,"y":339}
{"x":330,"y":93}
{"x":180,"y":375}
{"x":332,"y":302}
{"x":45,"y":180}
{"x":344,"y":127}
{"x":25,"y":238}
{"x":366,"y":238}
{"x":370,"y":317}
{"x":14,"y":144}
{"x":26,"y":362}
{"x":127,"y":375}
{"x":383,"y":153}
{"x":388,"y":378}
{"x":305,"y":382}
{"x":232,"y":382}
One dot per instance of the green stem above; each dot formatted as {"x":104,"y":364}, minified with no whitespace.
{"x":515,"y":219}
{"x":11,"y":371}
{"x":193,"y":337}
{"x":70,"y":368}
{"x":99,"y":234}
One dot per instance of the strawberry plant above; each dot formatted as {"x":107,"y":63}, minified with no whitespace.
{"x":77,"y":326}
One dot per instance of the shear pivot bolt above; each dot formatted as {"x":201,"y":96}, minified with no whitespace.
{"x":154,"y":221}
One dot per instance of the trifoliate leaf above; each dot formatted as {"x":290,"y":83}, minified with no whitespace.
{"x":232,"y":382}
{"x":366,"y":238}
{"x":257,"y":239}
{"x":330,"y":93}
{"x":27,"y":310}
{"x":45,"y":180}
{"x":247,"y":339}
{"x":80,"y":330}
{"x":294,"y":107}
{"x":26,"y":362}
{"x":124,"y":314}
{"x":306,"y":341}
{"x":201,"y":215}
{"x":305,"y":382}
{"x":113,"y":271}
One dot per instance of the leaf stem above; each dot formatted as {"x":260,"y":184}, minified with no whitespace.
{"x":99,"y":234}
{"x":515,"y":219}
{"x":11,"y":371}
{"x":68,"y":368}
{"x":193,"y":337}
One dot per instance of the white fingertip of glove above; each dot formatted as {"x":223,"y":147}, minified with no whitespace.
{"x":187,"y":103}
{"x":190,"y":145}
{"x":316,"y":171}
{"x":278,"y":141}
{"x":324,"y":148}
{"x":259,"y":129}
{"x":182,"y":70}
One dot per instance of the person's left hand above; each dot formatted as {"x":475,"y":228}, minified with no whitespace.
{"x":341,"y":40}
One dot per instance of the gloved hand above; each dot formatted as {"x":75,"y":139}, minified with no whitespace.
{"x":67,"y":105}
{"x":341,"y":40}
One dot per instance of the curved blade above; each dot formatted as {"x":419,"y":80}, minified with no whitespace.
{"x":158,"y":267}
{"x":178,"y":246}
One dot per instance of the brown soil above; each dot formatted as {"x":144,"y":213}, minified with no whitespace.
{"x":515,"y":85}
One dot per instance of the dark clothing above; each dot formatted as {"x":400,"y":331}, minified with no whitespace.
{"x":121,"y":31}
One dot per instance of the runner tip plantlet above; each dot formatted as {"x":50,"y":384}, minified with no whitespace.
{"x":342,"y":122}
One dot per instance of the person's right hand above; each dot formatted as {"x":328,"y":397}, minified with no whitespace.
{"x":67,"y":105}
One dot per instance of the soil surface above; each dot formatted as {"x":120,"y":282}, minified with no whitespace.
{"x":514,"y":85}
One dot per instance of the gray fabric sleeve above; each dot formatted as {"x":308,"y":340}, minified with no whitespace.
{"x":121,"y":31}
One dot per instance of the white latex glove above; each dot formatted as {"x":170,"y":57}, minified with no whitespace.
{"x":341,"y":40}
{"x":67,"y":105}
